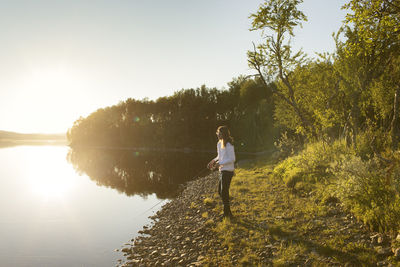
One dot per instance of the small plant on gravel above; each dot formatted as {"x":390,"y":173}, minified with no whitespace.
{"x":288,"y":254}
{"x":208,"y":201}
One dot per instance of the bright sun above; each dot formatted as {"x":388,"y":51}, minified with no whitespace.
{"x":48,"y":96}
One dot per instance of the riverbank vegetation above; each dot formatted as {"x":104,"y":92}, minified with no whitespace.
{"x":342,"y":107}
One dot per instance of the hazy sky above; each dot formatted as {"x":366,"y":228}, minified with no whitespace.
{"x":63,"y":59}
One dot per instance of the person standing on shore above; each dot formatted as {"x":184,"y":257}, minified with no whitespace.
{"x":225,"y":162}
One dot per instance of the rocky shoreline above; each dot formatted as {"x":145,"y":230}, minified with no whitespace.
{"x":182,"y":231}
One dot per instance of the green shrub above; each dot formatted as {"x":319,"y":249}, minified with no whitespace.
{"x":363,"y":184}
{"x":363,"y":188}
{"x":287,"y":145}
{"x":288,"y":171}
{"x":283,"y":166}
{"x":311,"y":164}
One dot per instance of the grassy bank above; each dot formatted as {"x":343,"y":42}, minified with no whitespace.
{"x":324,"y":206}
{"x":289,"y":214}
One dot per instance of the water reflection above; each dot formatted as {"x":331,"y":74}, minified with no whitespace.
{"x":51,"y":216}
{"x":137,"y":172}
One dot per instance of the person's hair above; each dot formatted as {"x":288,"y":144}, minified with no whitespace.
{"x":226,"y":135}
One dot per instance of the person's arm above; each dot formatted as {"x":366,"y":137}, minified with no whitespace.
{"x":214,"y":161}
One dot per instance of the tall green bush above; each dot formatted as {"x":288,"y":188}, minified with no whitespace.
{"x":364,"y":184}
{"x":363,"y":188}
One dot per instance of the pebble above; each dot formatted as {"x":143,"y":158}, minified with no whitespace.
{"x":133,"y":261}
{"x":166,"y":263}
{"x":126,"y":250}
{"x":154,"y":253}
{"x":200,"y":258}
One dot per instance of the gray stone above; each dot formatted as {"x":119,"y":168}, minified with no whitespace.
{"x":166,"y":263}
{"x":154,"y":253}
{"x":200,"y":258}
{"x":196,"y":263}
{"x":126,"y":250}
{"x":133,"y":261}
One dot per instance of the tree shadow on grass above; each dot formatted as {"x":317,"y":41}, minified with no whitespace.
{"x":290,"y":237}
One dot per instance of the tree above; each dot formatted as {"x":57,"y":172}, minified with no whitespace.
{"x":365,"y":61}
{"x":274,"y":60}
{"x":317,"y":88}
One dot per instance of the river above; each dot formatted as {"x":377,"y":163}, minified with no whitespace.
{"x":63,"y":207}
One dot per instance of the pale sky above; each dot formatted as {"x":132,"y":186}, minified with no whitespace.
{"x":63,"y":59}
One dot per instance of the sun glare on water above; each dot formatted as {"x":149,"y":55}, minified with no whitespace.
{"x":50,"y":187}
{"x":49,"y":177}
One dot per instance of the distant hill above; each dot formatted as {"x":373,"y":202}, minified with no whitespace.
{"x":5,"y":135}
{"x":9,"y":139}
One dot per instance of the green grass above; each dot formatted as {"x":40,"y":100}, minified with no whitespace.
{"x":276,"y":225}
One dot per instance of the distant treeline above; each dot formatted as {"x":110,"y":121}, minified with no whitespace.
{"x":187,"y":119}
{"x":6,"y":135}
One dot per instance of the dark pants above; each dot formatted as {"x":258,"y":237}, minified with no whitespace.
{"x":223,"y":190}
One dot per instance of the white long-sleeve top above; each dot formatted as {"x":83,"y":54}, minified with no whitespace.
{"x":226,"y":157}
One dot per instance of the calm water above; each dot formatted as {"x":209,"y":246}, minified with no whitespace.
{"x":73,"y":208}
